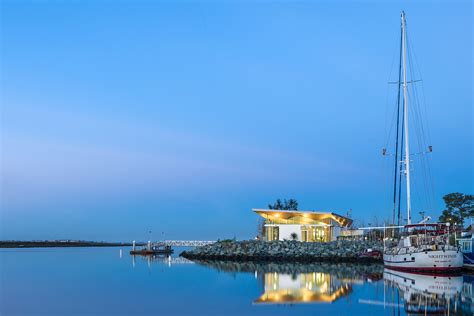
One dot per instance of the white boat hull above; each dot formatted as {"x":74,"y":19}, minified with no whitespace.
{"x":437,"y":261}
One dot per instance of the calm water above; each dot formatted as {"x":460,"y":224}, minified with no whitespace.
{"x":98,"y":281}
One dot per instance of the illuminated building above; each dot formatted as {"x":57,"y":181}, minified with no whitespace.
{"x":307,"y":226}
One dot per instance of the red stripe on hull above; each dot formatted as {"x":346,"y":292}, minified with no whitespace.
{"x":423,"y":270}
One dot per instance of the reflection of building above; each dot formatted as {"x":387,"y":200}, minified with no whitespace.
{"x":302,"y":288}
{"x":467,"y":294}
{"x":302,"y":225}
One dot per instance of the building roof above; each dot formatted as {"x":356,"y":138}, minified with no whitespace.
{"x":301,"y":217}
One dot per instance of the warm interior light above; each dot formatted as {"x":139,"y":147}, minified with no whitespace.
{"x":277,"y":215}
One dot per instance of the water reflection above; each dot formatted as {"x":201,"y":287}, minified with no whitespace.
{"x":432,"y":294}
{"x":403,"y":293}
{"x":467,"y":294}
{"x":160,"y":259}
{"x":302,"y":288}
{"x":294,"y":283}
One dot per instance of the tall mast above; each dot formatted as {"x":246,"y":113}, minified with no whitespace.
{"x":405,"y":117}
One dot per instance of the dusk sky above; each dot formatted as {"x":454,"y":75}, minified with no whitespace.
{"x":179,"y":117}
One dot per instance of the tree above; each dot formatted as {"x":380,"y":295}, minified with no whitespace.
{"x":291,"y":204}
{"x":458,"y":207}
{"x":276,"y":206}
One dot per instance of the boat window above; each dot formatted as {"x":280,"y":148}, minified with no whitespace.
{"x":466,"y":246}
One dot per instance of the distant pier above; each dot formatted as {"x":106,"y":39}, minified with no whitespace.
{"x":183,"y":243}
{"x":165,"y":246}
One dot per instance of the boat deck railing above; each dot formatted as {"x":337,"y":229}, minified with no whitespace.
{"x":426,"y":248}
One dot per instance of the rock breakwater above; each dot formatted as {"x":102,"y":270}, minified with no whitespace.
{"x":284,"y":251}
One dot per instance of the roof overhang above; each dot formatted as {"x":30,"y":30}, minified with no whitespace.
{"x":301,"y":217}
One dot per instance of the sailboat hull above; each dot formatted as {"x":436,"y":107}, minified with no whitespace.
{"x":426,"y":261}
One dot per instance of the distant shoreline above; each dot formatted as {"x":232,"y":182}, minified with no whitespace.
{"x":60,"y":243}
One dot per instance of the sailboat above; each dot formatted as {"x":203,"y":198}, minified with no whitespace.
{"x":422,"y":247}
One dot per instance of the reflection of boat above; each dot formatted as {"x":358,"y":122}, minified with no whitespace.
{"x":426,"y":294}
{"x":423,"y":247}
{"x":315,"y":287}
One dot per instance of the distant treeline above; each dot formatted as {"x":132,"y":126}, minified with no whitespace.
{"x":60,"y":243}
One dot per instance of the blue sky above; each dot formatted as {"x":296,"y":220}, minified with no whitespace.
{"x":120,"y":117}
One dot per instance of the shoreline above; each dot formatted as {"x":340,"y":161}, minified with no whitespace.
{"x":59,"y":244}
